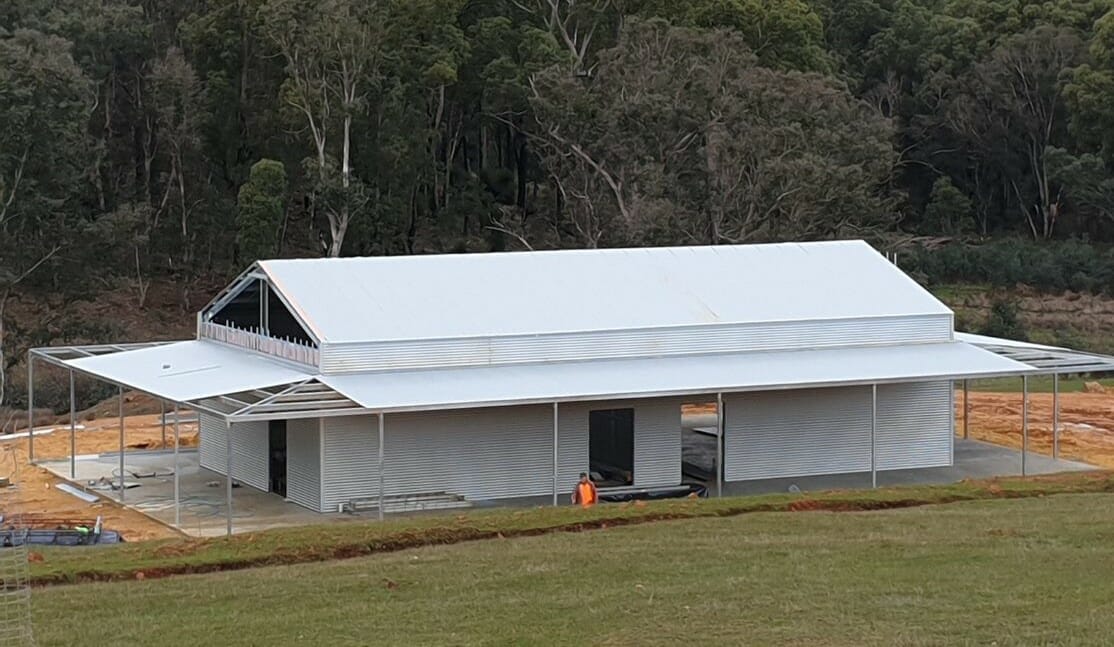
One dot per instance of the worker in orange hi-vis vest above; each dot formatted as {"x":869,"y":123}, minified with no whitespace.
{"x":585,"y":493}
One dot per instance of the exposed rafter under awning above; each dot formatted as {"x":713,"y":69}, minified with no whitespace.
{"x":231,"y":383}
{"x":306,"y":399}
{"x":1046,"y":359}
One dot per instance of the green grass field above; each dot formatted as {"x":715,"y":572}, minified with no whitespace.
{"x":1006,"y":572}
{"x":1037,"y":384}
{"x":330,"y":541}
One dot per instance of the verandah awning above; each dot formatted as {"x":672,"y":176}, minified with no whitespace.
{"x":217,"y":378}
{"x":1049,"y":359}
{"x":239,"y":384}
{"x":668,"y":376}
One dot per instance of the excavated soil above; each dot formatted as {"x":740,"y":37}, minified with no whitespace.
{"x":34,"y":492}
{"x":1086,"y":423}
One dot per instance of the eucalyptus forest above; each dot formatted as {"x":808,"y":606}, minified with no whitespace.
{"x":148,"y":143}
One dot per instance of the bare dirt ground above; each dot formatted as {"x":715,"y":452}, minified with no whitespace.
{"x":34,"y":492}
{"x":1087,"y":434}
{"x":1086,"y":423}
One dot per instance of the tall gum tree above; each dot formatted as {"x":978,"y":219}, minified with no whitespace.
{"x":334,"y":57}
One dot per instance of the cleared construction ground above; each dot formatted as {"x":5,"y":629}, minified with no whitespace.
{"x":1086,"y":423}
{"x":1087,"y":435}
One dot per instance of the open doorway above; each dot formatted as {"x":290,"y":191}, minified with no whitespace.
{"x":277,"y":431}
{"x":699,"y":428}
{"x":611,"y":447}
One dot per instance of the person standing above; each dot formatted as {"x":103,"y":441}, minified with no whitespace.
{"x":585,"y":492}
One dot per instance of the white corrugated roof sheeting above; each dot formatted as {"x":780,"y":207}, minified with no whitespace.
{"x":466,"y":295}
{"x":1050,"y":359}
{"x":189,"y":370}
{"x":983,"y":340}
{"x":703,"y":374}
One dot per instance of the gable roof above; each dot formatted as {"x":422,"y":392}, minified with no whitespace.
{"x":525,"y":293}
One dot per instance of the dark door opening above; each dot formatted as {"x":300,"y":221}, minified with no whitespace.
{"x":278,"y":457}
{"x":611,"y":447}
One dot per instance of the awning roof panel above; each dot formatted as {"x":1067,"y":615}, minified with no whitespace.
{"x":664,"y":376}
{"x":189,"y":370}
{"x":1048,"y":359}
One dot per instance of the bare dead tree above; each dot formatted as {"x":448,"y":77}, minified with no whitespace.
{"x":8,"y":285}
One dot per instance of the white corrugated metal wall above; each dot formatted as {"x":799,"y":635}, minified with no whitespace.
{"x":303,"y":462}
{"x":211,"y":446}
{"x":250,"y":449}
{"x":350,"y":459}
{"x":814,"y":432}
{"x":915,"y":425}
{"x":796,"y":433}
{"x":489,"y":453}
{"x":657,"y":441}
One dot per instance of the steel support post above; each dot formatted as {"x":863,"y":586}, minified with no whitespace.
{"x":228,"y":475}
{"x":177,"y":491}
{"x":382,"y":434}
{"x":30,"y":408}
{"x":73,"y":430}
{"x":162,"y":421}
{"x":966,"y":410}
{"x":120,"y":392}
{"x":265,"y":304}
{"x":555,"y":452}
{"x":721,"y":418}
{"x":873,"y":435}
{"x":1024,"y":421}
{"x":1055,"y":416}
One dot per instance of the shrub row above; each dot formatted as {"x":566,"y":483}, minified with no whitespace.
{"x":1053,"y":266}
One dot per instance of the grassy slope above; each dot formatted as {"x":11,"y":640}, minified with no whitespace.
{"x":1027,"y":571}
{"x":1037,"y":384}
{"x":1079,"y":321}
{"x":326,"y":542}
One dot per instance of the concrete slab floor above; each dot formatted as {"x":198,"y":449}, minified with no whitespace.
{"x":973,"y":459}
{"x":203,"y":510}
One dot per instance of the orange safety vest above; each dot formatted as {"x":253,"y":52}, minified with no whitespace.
{"x":586,"y":494}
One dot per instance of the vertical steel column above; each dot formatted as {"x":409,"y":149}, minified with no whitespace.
{"x":228,"y":475}
{"x":721,"y":418}
{"x":265,"y":307}
{"x":1024,"y":421}
{"x":30,"y":407}
{"x":555,"y":453}
{"x":177,"y":491}
{"x":1055,"y":416}
{"x":873,"y":435}
{"x":73,"y":431}
{"x":259,"y":312}
{"x":966,"y":410}
{"x":120,"y":392}
{"x":162,"y":419}
{"x":382,"y":434}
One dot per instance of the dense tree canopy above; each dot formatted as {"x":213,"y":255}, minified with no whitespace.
{"x":132,"y":131}
{"x":426,"y":125}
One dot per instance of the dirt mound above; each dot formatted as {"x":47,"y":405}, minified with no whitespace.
{"x":34,"y":492}
{"x":1086,"y":423}
{"x":14,"y":420}
{"x":135,"y":404}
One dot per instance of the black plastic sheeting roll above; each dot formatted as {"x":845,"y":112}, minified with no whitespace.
{"x":686,"y":490}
